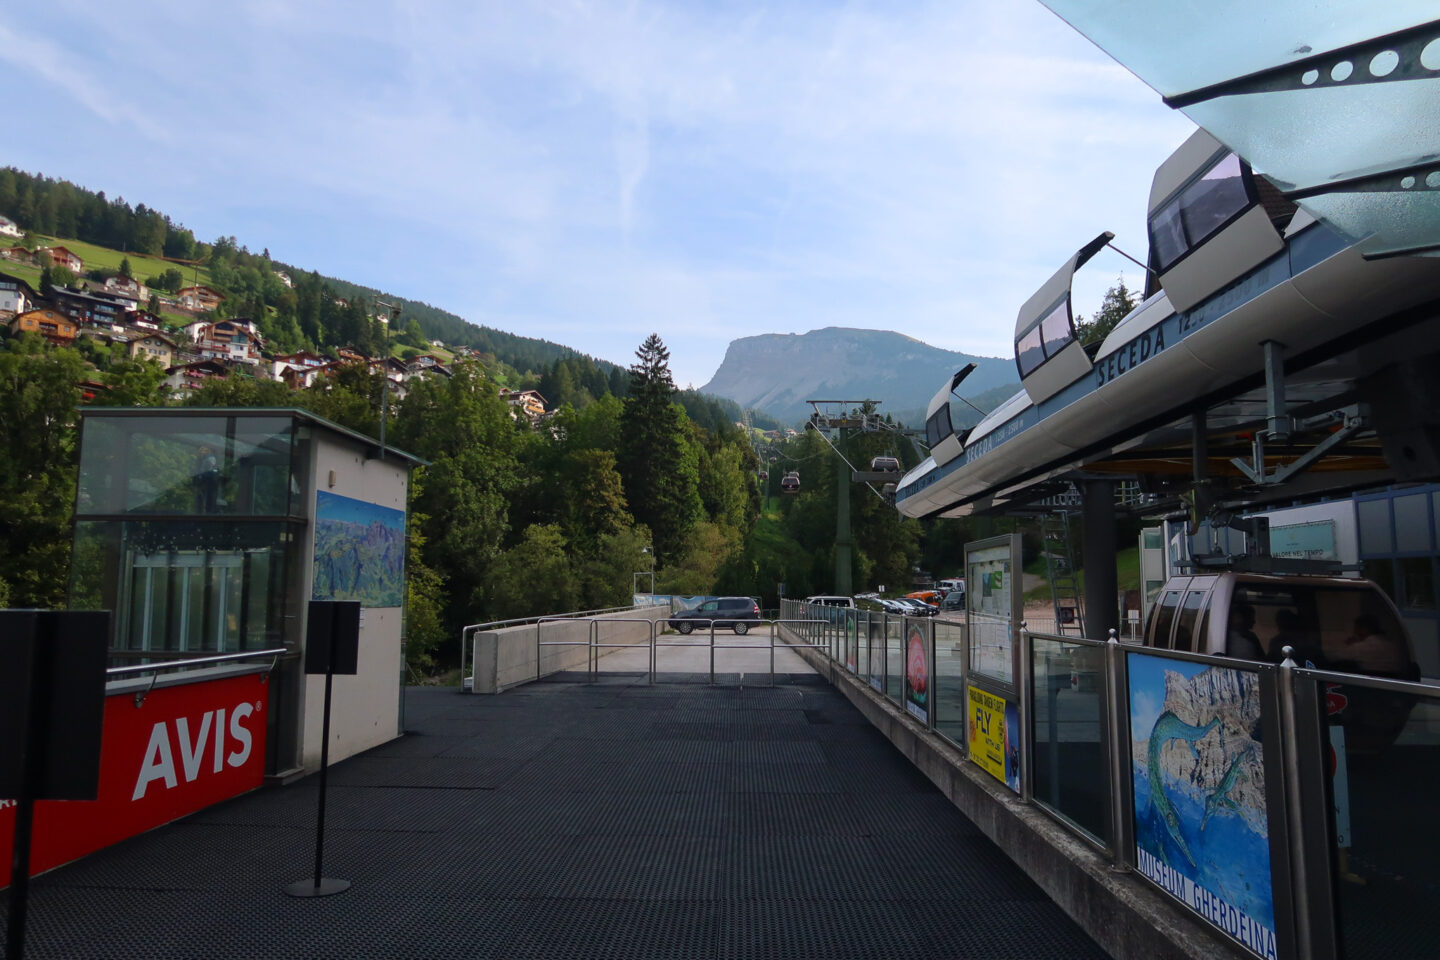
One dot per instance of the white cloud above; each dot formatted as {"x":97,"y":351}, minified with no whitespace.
{"x":591,"y":171}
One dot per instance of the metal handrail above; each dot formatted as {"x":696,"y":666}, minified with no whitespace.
{"x":155,"y":668}
{"x":575,"y":615}
{"x":710,"y":643}
{"x":172,"y":664}
{"x":539,"y":623}
{"x":1388,"y":684}
{"x":596,"y":645}
{"x":468,"y":646}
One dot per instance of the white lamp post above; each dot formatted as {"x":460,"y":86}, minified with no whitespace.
{"x":635,"y":579}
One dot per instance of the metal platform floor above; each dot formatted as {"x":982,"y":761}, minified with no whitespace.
{"x":566,"y":819}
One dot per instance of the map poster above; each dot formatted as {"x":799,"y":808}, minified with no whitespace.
{"x":1201,"y":831}
{"x":359,"y":551}
{"x":917,"y":674}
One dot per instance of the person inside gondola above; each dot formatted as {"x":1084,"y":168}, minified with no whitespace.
{"x":1367,"y":650}
{"x":1240,"y":641}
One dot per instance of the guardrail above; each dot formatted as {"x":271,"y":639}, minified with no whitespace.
{"x":595,"y":646}
{"x":467,"y":634}
{"x":154,"y":668}
{"x":1291,"y":809}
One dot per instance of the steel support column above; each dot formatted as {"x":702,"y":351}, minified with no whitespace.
{"x":843,"y":584}
{"x":1102,"y":608}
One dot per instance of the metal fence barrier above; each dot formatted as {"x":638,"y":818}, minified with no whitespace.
{"x":596,"y":646}
{"x":467,"y":635}
{"x":1291,"y":809}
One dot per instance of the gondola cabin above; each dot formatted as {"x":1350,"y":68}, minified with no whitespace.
{"x":1233,"y":265}
{"x":790,"y":483}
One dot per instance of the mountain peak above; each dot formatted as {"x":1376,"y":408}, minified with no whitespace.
{"x":777,"y":372}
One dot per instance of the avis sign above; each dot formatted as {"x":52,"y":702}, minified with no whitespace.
{"x":186,"y":747}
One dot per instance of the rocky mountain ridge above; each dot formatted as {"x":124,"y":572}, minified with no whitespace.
{"x":778,"y":372}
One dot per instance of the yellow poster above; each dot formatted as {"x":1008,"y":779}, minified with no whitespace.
{"x":987,"y":732}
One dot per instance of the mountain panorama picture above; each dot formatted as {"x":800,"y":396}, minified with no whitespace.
{"x":359,"y":551}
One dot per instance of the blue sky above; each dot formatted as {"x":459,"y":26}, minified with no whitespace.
{"x":332,"y":506}
{"x":590,"y":172}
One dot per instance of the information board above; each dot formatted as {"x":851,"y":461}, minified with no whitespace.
{"x":992,"y":606}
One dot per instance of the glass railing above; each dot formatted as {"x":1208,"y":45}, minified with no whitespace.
{"x":1067,"y":738}
{"x":951,"y":707}
{"x":1384,"y":741}
{"x":1230,"y":786}
{"x":894,"y":657}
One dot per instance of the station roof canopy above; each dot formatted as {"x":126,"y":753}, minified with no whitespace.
{"x":305,"y":416}
{"x":1333,"y":101}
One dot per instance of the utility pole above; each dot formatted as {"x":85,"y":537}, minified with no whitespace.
{"x":842,"y":416}
{"x":385,"y":370}
{"x":843,"y":539}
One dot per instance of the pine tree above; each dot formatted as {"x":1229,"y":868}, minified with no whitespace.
{"x":1116,"y":306}
{"x":660,"y":465}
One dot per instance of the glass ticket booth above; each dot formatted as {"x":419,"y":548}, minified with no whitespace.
{"x":196,"y":527}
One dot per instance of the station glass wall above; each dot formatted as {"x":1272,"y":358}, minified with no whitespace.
{"x":190,"y":528}
{"x":1400,"y":550}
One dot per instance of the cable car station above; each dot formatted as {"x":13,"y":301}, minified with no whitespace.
{"x":1250,"y":775}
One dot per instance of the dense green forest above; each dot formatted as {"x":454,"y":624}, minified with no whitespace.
{"x":508,"y":519}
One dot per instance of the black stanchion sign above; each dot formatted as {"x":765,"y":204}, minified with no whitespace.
{"x":52,"y":709}
{"x":332,"y":637}
{"x":332,"y":645}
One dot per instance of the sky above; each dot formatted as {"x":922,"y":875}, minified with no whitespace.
{"x":593,"y":172}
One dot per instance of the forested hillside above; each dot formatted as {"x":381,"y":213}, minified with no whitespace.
{"x":510,"y":519}
{"x":318,"y":312}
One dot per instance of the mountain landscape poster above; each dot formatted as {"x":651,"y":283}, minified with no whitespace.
{"x":359,"y":551}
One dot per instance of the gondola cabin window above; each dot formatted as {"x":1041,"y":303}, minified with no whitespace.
{"x":938,"y":427}
{"x":1199,"y":211}
{"x":1045,"y":339}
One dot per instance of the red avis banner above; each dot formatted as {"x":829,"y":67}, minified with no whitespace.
{"x":185,"y":748}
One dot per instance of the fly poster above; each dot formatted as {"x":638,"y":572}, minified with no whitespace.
{"x":1201,"y":831}
{"x":994,"y":741}
{"x":917,"y":674}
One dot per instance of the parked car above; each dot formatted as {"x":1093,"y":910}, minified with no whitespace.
{"x":832,"y":601}
{"x":955,"y":600}
{"x":726,"y":612}
{"x":952,"y":585}
{"x":931,"y":597}
{"x":917,"y":608}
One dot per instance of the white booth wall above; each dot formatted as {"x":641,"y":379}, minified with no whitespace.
{"x":365,"y":708}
